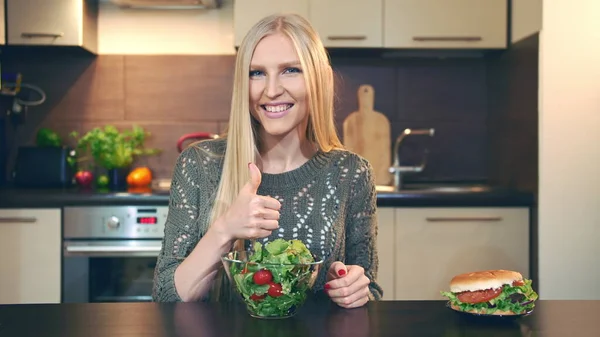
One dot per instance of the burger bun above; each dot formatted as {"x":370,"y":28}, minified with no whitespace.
{"x":482,"y":280}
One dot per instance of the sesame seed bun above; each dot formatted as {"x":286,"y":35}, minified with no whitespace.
{"x":482,"y":280}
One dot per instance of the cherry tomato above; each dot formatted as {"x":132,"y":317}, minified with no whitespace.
{"x":262,"y":277}
{"x":257,"y":298}
{"x":274,"y":289}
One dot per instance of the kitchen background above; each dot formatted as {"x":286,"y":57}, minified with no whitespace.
{"x":171,"y":72}
{"x":482,"y":105}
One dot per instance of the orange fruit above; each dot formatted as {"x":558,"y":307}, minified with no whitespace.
{"x":139,"y":177}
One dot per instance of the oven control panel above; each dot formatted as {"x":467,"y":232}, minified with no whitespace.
{"x":129,"y":222}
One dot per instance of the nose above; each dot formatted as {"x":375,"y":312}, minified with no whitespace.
{"x":274,"y":87}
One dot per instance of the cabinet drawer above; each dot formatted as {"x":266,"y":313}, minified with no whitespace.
{"x":435,"y":244}
{"x":30,"y":256}
{"x":445,"y":24}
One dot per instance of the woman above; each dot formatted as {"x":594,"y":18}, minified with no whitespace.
{"x":280,"y":172}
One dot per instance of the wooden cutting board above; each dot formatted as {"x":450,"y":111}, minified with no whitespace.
{"x":367,"y":133}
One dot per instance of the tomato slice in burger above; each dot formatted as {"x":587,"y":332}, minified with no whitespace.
{"x":480,"y":296}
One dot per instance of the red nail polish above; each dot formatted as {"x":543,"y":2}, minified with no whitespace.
{"x":327,"y":286}
{"x":341,"y":272}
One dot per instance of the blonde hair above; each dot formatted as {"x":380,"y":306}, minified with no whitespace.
{"x":242,"y":133}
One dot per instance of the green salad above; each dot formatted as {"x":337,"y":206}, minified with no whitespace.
{"x":275,"y":278}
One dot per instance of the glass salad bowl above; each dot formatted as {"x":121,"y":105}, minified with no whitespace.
{"x":272,"y":280}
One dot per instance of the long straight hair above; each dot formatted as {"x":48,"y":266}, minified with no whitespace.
{"x":242,"y":134}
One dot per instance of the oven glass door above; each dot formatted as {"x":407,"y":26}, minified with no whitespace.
{"x":109,"y":271}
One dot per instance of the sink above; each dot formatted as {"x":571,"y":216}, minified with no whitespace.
{"x":434,"y":188}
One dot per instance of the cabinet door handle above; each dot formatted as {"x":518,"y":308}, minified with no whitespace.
{"x":346,"y":37}
{"x":32,"y":35}
{"x":447,"y":38}
{"x":464,"y":219}
{"x":18,"y":219}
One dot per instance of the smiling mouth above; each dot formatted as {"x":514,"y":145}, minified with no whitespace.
{"x":277,"y":108}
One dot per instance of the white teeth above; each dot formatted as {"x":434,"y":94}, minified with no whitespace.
{"x":277,"y":108}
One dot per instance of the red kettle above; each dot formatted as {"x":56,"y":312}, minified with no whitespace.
{"x":196,"y":136}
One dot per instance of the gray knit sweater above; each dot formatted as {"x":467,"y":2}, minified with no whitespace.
{"x":329,"y":203}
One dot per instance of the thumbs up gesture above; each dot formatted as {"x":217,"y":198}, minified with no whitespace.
{"x":252,"y":216}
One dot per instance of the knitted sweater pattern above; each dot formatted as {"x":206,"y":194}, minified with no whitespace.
{"x":329,"y":203}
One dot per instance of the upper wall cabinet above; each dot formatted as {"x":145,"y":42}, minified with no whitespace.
{"x":526,"y":19}
{"x":445,"y":24}
{"x":348,"y":23}
{"x":394,"y":24}
{"x":2,"y":23}
{"x":57,"y":22}
{"x":247,"y":12}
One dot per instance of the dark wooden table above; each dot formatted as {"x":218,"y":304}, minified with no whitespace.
{"x":317,"y":318}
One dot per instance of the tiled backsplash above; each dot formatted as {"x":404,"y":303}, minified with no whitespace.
{"x":448,"y":95}
{"x":174,"y":95}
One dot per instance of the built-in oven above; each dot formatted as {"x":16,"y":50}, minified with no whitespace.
{"x":110,"y":252}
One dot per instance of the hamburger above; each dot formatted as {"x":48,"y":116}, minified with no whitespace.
{"x":491,"y":292}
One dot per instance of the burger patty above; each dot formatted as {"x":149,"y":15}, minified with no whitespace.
{"x":482,"y":296}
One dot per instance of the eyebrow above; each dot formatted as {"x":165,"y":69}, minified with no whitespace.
{"x":282,"y":65}
{"x":291,"y":64}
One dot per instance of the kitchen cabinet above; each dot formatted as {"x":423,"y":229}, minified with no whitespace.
{"x":386,"y":250}
{"x":55,"y":23}
{"x":394,"y":24}
{"x":348,"y":23}
{"x":30,"y":256}
{"x":526,"y":19}
{"x":453,"y":24}
{"x":2,"y":23}
{"x":246,"y":13}
{"x":340,"y":23}
{"x":426,"y":246}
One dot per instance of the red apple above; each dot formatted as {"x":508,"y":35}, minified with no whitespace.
{"x":84,"y":178}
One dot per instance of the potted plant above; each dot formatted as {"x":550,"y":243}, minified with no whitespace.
{"x":113,"y":150}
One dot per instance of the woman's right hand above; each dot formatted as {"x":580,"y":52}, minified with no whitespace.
{"x":251,"y":216}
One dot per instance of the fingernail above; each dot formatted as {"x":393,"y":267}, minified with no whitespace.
{"x":341,"y":272}
{"x":327,"y":286}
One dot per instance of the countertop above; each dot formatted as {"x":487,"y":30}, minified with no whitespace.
{"x":413,"y":197}
{"x":316,"y":318}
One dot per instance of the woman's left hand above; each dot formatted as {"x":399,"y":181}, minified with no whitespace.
{"x":347,"y":285}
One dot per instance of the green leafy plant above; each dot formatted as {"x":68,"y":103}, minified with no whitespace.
{"x":46,"y":137}
{"x":111,"y":148}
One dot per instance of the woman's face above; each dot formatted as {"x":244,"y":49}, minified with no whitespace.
{"x":277,"y":89}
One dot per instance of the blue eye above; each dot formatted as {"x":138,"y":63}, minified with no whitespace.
{"x":254,"y":73}
{"x":292,"y":70}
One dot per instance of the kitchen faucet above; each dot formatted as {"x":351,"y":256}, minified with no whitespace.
{"x":398,"y":170}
